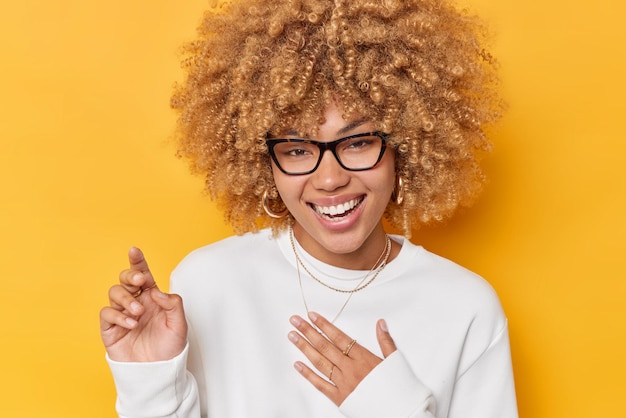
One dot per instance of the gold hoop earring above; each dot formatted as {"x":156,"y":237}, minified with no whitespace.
{"x":398,"y":192}
{"x":269,"y":211}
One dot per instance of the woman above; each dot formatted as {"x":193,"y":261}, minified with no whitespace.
{"x":313,"y":120}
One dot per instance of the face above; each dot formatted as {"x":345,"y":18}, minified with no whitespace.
{"x":354,"y":238}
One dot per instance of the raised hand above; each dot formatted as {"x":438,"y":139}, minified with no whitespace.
{"x":335,"y":355}
{"x":142,"y":323}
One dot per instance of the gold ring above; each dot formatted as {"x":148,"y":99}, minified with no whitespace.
{"x":330,"y":376}
{"x":141,"y":290}
{"x":349,"y":347}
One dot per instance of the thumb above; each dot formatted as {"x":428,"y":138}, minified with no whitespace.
{"x":385,"y":341}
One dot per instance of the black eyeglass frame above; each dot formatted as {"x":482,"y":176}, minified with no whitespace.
{"x":326,"y":146}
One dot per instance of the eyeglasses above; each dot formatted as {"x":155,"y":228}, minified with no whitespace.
{"x":297,"y":156}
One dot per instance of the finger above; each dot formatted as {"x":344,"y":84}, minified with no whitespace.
{"x":138,"y":263}
{"x":324,"y":386}
{"x":132,"y":280}
{"x":318,"y":359}
{"x":121,"y":299}
{"x":341,"y":340}
{"x":387,"y":345}
{"x":109,"y":317}
{"x":317,"y":344}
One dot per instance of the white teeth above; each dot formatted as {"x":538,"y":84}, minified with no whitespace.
{"x":339,"y":209}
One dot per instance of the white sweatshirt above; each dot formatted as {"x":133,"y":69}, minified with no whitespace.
{"x":452,"y":361}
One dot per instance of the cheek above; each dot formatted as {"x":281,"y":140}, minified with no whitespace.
{"x":389,"y":184}
{"x":279,"y":178}
{"x":381,"y":182}
{"x":289,"y":187}
{"x":388,"y":174}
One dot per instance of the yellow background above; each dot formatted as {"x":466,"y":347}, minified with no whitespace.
{"x":86,"y":172}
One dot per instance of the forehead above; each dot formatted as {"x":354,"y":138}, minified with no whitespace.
{"x":332,"y":123}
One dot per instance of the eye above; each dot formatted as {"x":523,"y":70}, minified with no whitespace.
{"x":295,"y":150}
{"x":361,"y":143}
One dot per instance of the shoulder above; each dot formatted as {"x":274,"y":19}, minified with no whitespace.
{"x":445,"y":272}
{"x":234,"y":246}
{"x":439,"y":272}
{"x":451,"y":287}
{"x":223,"y":257}
{"x":474,"y":299}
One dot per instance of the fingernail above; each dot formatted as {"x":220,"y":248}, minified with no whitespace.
{"x":383,"y":326}
{"x":314,"y":317}
{"x":293,"y":337}
{"x":131,"y":322}
{"x":159,"y":293}
{"x":297,"y":366}
{"x":136,"y":278}
{"x":135,"y":307}
{"x":295,"y":321}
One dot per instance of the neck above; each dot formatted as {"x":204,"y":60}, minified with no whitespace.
{"x":363,"y":257}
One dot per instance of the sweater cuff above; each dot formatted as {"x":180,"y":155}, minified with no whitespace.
{"x":151,"y":388}
{"x":390,"y":390}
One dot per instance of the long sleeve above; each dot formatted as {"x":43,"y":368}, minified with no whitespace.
{"x":391,"y":390}
{"x":155,"y":389}
{"x":484,"y":390}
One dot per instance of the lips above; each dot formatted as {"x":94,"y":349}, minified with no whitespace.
{"x":337,"y":211}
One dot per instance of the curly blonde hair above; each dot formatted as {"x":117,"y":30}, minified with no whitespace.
{"x":417,"y":68}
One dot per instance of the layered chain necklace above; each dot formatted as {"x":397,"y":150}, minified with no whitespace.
{"x":363,"y":283}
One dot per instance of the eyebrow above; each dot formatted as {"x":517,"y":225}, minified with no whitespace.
{"x":347,"y":128}
{"x":352,"y":125}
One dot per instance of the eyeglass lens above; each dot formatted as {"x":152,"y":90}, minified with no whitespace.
{"x":354,"y":153}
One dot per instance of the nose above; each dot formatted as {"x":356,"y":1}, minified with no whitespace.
{"x":329,"y":175}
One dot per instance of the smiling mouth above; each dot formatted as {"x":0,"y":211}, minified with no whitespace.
{"x":339,"y":211}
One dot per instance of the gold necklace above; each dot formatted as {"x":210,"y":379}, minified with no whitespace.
{"x":386,"y":252}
